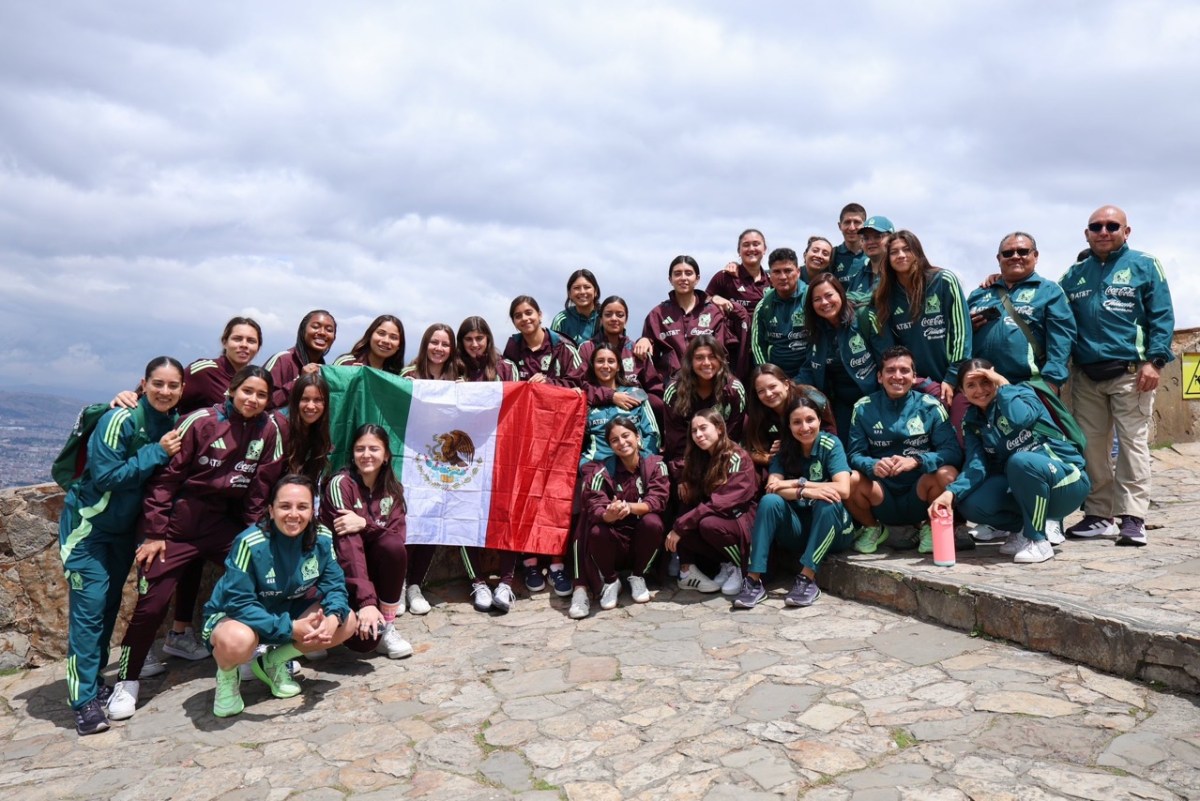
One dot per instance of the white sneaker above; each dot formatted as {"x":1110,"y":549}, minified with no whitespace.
{"x":723,"y":573}
{"x":581,"y":606}
{"x":481,"y":597}
{"x":503,"y":598}
{"x":1015,"y":542}
{"x":733,"y":582}
{"x":637,"y":588}
{"x":694,"y":579}
{"x":416,"y":600}
{"x":153,"y":666}
{"x":123,"y":702}
{"x":1033,"y":552}
{"x":1054,"y":532}
{"x":184,"y":645}
{"x":392,"y":645}
{"x":609,"y":594}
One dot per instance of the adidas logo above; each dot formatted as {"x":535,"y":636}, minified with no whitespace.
{"x":218,"y":444}
{"x":270,"y":577}
{"x":878,"y":427}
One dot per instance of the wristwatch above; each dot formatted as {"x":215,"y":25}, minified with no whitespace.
{"x":1159,"y":362}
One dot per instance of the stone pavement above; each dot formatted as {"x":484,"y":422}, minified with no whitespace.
{"x":682,"y":698}
{"x":676,"y":699}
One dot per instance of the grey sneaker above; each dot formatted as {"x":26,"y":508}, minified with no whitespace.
{"x":803,"y":593}
{"x":90,"y":718}
{"x":752,"y":592}
{"x":153,"y":666}
{"x":184,"y":645}
{"x":1015,"y":543}
{"x":1133,"y":531}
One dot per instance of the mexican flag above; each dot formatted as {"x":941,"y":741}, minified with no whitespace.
{"x":489,"y":463}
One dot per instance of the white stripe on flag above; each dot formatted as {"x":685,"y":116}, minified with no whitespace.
{"x":448,"y":504}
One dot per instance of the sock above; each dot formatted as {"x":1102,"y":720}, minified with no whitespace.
{"x":557,"y":565}
{"x":277,"y":656}
{"x":389,"y":611}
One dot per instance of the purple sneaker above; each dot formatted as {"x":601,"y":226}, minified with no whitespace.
{"x":1133,"y":531}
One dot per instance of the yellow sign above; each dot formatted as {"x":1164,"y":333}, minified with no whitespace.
{"x":1191,"y":376}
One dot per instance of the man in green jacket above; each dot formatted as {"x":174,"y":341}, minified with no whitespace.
{"x":1123,"y":311}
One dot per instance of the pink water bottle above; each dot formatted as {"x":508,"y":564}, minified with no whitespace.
{"x":942,"y":524}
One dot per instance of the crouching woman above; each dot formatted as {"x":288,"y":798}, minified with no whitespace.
{"x":271,"y":571}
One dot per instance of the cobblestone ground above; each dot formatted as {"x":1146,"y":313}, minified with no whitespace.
{"x":676,"y":699}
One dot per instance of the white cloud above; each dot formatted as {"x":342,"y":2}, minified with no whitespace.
{"x":165,"y":168}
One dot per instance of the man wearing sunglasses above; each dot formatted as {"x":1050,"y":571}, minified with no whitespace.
{"x":1123,"y":311}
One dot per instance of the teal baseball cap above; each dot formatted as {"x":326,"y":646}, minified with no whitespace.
{"x":879,"y":223}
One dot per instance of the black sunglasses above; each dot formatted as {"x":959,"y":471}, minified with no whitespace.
{"x":1022,"y":252}
{"x":1110,"y":226}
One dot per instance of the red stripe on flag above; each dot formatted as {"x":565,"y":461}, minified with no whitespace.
{"x":539,"y":435}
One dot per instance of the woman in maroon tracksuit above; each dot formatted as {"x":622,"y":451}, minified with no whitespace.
{"x":542,"y":356}
{"x":477,"y":354}
{"x":196,"y":506}
{"x":314,"y":338}
{"x":363,"y":505}
{"x":624,"y":497}
{"x":685,"y":313}
{"x":539,"y":353}
{"x":614,"y":315}
{"x":717,"y":492}
{"x":704,"y":381}
{"x":381,"y":346}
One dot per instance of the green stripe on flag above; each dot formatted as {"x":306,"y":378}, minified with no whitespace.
{"x":359,"y":395}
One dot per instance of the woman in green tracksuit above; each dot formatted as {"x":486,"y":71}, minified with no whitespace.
{"x":1020,"y":470}
{"x":96,"y":530}
{"x":282,"y":586}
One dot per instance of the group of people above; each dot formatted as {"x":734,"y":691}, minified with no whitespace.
{"x":826,"y":400}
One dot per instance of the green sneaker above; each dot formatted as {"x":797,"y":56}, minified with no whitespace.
{"x":228,"y":700}
{"x":926,"y":544}
{"x":868,"y":539}
{"x":276,"y":677}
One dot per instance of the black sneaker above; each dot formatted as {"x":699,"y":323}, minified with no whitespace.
{"x":1133,"y":531}
{"x":963,"y":541}
{"x":803,"y":593}
{"x":104,"y":693}
{"x":562,"y":585}
{"x":752,"y":592}
{"x":533,"y":579}
{"x":90,"y":718}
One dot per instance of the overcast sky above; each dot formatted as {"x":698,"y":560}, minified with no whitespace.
{"x":165,"y":166}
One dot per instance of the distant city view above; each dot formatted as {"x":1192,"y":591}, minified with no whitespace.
{"x":33,"y":428}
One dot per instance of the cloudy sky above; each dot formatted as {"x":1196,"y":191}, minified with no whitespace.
{"x":165,"y":166}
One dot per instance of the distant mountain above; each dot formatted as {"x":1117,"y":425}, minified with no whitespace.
{"x":33,"y":428}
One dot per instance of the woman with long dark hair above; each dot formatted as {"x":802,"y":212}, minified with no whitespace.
{"x":717,"y":489}
{"x":803,"y":507}
{"x":363,"y":505}
{"x":381,"y":346}
{"x":771,"y":393}
{"x":841,"y":361}
{"x":924,"y":309}
{"x":577,"y":321}
{"x":477,"y":355}
{"x":605,"y":371}
{"x":704,"y":381}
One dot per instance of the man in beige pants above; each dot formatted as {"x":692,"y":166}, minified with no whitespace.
{"x":1123,"y":311}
